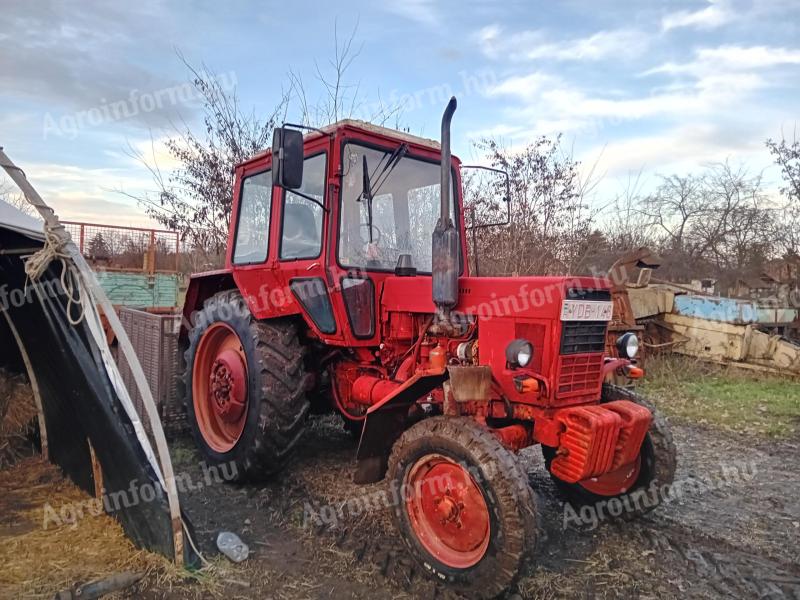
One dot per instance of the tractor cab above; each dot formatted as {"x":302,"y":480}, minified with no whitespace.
{"x":318,"y":230}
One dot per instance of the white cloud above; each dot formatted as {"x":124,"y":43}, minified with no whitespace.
{"x":155,"y":153}
{"x":687,"y":148}
{"x":421,"y":11}
{"x":536,"y":45}
{"x":709,"y":62}
{"x":526,"y":87}
{"x":697,"y":121}
{"x":546,"y":102}
{"x":85,"y":194}
{"x":716,"y":14}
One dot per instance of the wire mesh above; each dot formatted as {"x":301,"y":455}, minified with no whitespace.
{"x":115,"y":247}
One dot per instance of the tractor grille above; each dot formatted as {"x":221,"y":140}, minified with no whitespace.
{"x":582,"y":337}
{"x":581,"y":362}
{"x":579,"y":374}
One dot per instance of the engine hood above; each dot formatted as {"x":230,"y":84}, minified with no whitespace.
{"x":492,"y":297}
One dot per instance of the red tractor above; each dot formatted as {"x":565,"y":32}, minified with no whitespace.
{"x":347,"y":285}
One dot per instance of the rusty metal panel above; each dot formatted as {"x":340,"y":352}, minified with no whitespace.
{"x":155,"y":340}
{"x":470,"y":384}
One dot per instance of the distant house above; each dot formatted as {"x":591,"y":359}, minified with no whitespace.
{"x":786,"y":271}
{"x":755,"y":287}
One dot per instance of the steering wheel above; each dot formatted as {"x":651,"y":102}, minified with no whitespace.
{"x":376,"y":230}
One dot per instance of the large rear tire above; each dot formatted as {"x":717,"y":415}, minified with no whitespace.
{"x":655,"y":467}
{"x":463,"y":505}
{"x":246,"y":386}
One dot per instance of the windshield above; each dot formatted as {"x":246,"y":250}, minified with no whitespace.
{"x":405,"y":207}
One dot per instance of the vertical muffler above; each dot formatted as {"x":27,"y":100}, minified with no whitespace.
{"x":445,"y":267}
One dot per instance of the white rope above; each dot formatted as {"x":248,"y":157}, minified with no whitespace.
{"x":53,"y":248}
{"x":55,"y":241}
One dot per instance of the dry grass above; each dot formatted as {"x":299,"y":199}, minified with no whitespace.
{"x":17,"y":416}
{"x":39,"y":561}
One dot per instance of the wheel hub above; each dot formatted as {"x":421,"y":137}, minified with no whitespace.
{"x":228,"y":386}
{"x":447,"y":511}
{"x":449,"y":508}
{"x":219,"y":387}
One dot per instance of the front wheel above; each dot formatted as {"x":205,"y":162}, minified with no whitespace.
{"x":464,"y":508}
{"x":641,"y":482}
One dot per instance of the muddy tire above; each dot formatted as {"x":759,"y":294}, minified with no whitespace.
{"x":245,"y":385}
{"x":466,"y":512}
{"x":658,"y":463}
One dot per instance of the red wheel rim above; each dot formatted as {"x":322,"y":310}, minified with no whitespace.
{"x":614,"y":482}
{"x":219,"y":387}
{"x":447,"y":511}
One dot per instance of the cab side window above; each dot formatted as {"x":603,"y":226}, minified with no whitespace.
{"x":301,"y":235}
{"x":252,"y":228}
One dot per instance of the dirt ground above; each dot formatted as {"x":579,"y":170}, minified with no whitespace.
{"x":730,"y":530}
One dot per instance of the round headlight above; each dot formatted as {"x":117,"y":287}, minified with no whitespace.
{"x":519,"y":353}
{"x":628,"y":345}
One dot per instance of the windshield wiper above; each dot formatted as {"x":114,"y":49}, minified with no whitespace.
{"x":367,"y":191}
{"x":395,"y":157}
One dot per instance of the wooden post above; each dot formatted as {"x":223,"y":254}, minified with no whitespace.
{"x":151,"y":254}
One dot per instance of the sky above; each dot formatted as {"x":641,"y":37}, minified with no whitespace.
{"x":637,"y":89}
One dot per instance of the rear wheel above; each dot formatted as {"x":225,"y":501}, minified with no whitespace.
{"x":246,"y":387}
{"x":463,"y":505}
{"x":654,"y":467}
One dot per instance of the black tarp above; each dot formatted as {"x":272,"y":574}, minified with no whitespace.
{"x":79,"y":402}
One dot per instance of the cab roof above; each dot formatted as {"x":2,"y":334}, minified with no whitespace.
{"x":364,"y":127}
{"x":378,"y":130}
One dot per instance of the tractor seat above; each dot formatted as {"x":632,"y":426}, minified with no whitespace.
{"x":300,"y":233}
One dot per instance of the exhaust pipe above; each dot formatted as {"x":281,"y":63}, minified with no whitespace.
{"x":445,"y":238}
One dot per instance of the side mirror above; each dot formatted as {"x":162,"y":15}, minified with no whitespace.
{"x":287,"y":158}
{"x":506,"y":198}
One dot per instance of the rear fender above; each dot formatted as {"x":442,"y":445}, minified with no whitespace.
{"x":201,"y":287}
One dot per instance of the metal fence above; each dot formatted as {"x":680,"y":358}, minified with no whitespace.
{"x":118,"y":248}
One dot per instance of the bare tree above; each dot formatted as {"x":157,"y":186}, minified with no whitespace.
{"x":551,"y":221}
{"x":196,"y":198}
{"x":10,"y":195}
{"x":735,"y":231}
{"x":628,"y":226}
{"x":674,"y":209}
{"x":714,"y":223}
{"x":787,"y":156}
{"x":339,"y":97}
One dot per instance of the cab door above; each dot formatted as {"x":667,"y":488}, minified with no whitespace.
{"x":303,"y":216}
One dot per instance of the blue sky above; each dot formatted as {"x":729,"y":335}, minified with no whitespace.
{"x":651,"y":87}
